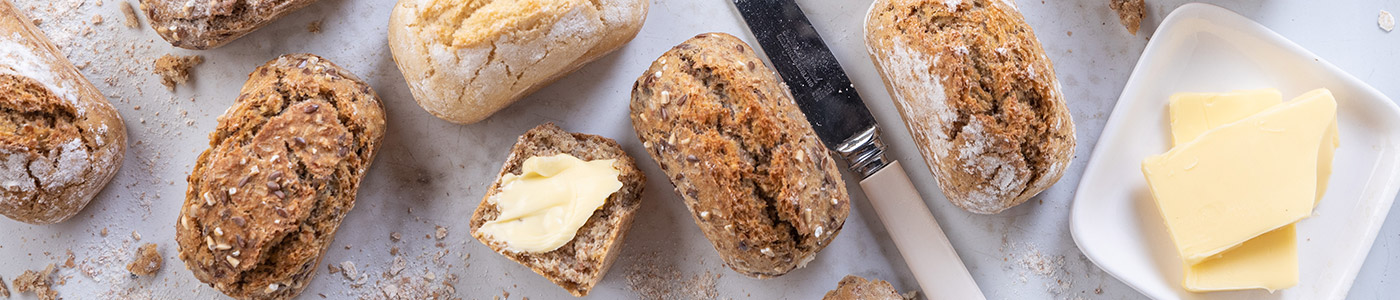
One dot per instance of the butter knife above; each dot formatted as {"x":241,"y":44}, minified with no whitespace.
{"x":844,"y":124}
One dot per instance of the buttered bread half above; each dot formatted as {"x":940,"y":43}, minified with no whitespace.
{"x":561,"y":206}
{"x":466,"y":59}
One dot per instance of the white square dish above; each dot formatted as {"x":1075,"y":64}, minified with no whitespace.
{"x":1205,"y":48}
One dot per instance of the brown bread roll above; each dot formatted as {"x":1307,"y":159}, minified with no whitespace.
{"x":727,"y":133}
{"x":281,"y":172}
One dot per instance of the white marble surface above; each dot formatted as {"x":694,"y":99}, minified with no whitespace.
{"x":433,"y":173}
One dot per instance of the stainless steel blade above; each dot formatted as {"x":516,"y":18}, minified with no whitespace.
{"x":816,"y":79}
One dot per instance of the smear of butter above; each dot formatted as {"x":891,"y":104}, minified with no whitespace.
{"x":543,"y":208}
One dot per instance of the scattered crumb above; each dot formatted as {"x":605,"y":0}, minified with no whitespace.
{"x":314,"y":26}
{"x":1387,"y":21}
{"x":40,"y":282}
{"x":104,"y":231}
{"x":69,"y":263}
{"x":135,"y":235}
{"x":332,"y":269}
{"x":395,"y":236}
{"x":132,"y":21}
{"x":910,"y":295}
{"x":1130,"y":13}
{"x":652,"y":278}
{"x":147,"y":261}
{"x":38,"y":21}
{"x":4,"y":289}
{"x":393,"y":250}
{"x":96,"y":19}
{"x":441,"y":232}
{"x":175,"y":70}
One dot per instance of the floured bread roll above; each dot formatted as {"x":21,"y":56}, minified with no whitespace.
{"x":466,"y":59}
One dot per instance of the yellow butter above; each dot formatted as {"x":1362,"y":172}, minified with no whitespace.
{"x":543,"y":208}
{"x":1269,"y":261}
{"x":1242,"y":179}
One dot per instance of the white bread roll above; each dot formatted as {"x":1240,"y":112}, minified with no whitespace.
{"x":466,"y":59}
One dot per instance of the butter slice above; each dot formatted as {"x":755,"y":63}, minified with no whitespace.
{"x":1269,"y":261}
{"x":543,"y":208}
{"x":1241,"y":180}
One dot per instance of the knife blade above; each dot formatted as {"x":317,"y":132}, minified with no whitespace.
{"x":827,"y":97}
{"x":812,"y":73}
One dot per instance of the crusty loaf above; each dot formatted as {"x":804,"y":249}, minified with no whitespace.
{"x":465,"y":60}
{"x":977,"y":93}
{"x":280,"y":174}
{"x":855,"y":288}
{"x":741,"y":154}
{"x":208,"y":24}
{"x":60,"y":140}
{"x":582,"y":262}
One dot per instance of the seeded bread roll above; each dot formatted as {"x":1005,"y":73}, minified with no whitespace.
{"x":727,"y":133}
{"x":60,"y":140}
{"x":280,"y":174}
{"x":977,"y":93}
{"x":855,"y":288}
{"x":208,"y":24}
{"x":465,"y":60}
{"x":581,"y":263}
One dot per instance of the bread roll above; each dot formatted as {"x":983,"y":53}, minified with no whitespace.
{"x":741,"y":154}
{"x":465,"y":60}
{"x":60,"y":140}
{"x":855,"y":288}
{"x":977,"y":93}
{"x":281,"y":172}
{"x":581,"y":263}
{"x":208,"y":24}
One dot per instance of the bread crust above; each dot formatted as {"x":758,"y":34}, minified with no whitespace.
{"x":979,"y":97}
{"x":748,"y":165}
{"x":462,"y":66}
{"x":281,"y":172}
{"x":579,"y":264}
{"x":854,"y":287}
{"x":209,"y":24}
{"x":61,"y":142}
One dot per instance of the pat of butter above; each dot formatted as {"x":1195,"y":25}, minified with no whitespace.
{"x":1269,"y":261}
{"x":1242,"y":179}
{"x":543,"y":208}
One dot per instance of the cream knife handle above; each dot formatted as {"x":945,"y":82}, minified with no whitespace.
{"x":941,"y":274}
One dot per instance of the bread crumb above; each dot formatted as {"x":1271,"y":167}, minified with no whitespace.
{"x":147,"y":262}
{"x":39,"y":282}
{"x":395,"y":236}
{"x":132,"y":21}
{"x":104,"y":231}
{"x":314,"y":26}
{"x":4,"y":289}
{"x":441,"y":232}
{"x":135,"y":235}
{"x":1386,"y":21}
{"x":175,"y":70}
{"x":1130,"y":13}
{"x":96,"y":19}
{"x":652,"y":278}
